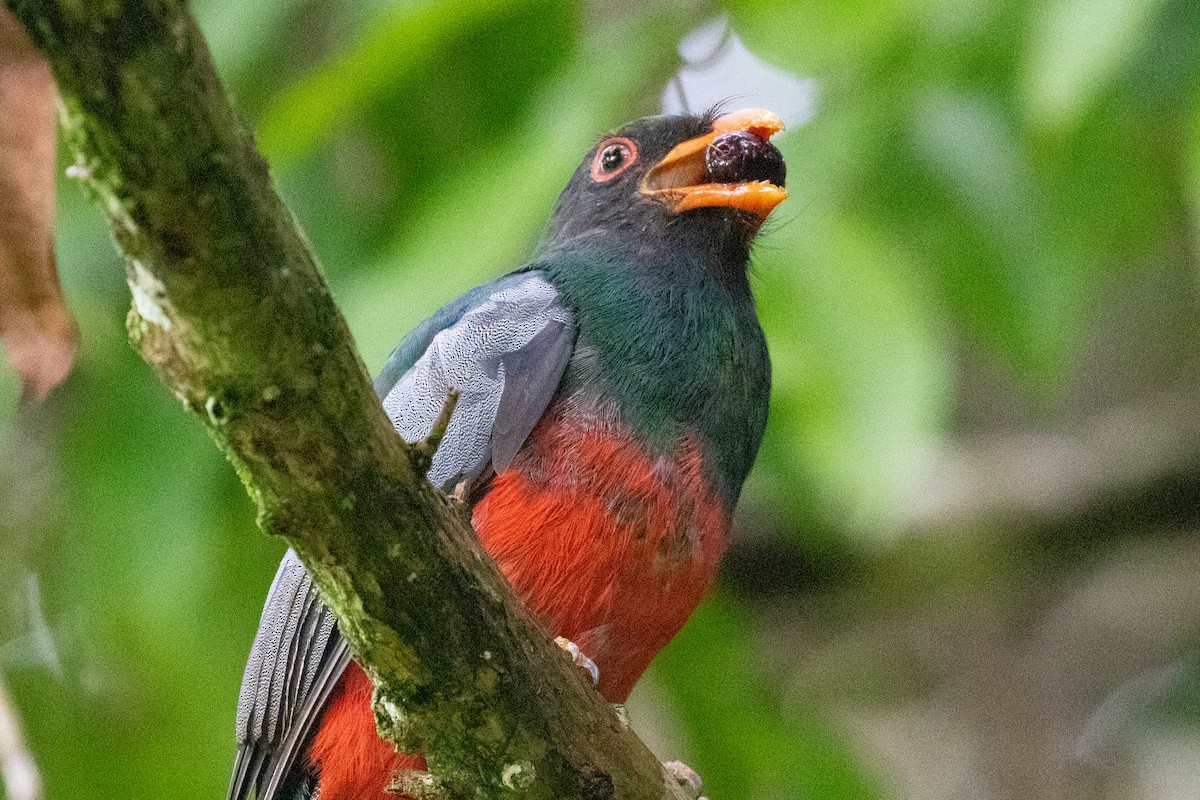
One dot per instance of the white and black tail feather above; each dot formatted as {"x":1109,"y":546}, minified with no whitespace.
{"x":294,"y":664}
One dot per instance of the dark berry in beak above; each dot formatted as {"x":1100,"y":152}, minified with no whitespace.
{"x":740,"y":156}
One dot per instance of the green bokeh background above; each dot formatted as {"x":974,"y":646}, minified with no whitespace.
{"x":965,"y":562}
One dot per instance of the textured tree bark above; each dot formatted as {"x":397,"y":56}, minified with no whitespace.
{"x":230,"y":309}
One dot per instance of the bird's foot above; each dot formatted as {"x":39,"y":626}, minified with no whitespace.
{"x":686,"y":777}
{"x":579,"y":658}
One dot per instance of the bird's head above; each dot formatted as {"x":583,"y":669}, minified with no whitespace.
{"x":671,"y":182}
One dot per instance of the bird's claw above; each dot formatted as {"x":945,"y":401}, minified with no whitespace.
{"x":579,"y":658}
{"x":686,"y":777}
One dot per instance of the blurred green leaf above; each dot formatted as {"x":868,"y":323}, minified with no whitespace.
{"x":413,"y":43}
{"x":9,"y":391}
{"x":240,"y":31}
{"x":828,"y":39}
{"x":742,"y":741}
{"x":448,"y":108}
{"x":1076,"y":48}
{"x":861,"y":388}
{"x":1019,"y":288}
{"x":1192,"y":166}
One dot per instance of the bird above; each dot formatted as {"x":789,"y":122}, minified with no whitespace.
{"x":612,"y":395}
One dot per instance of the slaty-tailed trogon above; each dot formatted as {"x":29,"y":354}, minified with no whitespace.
{"x":613,"y":395}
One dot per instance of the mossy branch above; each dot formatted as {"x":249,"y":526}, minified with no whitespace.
{"x":230,"y":309}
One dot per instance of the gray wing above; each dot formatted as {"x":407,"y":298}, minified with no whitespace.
{"x":507,"y":350}
{"x":504,"y":347}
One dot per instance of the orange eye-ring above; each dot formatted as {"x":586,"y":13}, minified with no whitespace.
{"x":613,"y":157}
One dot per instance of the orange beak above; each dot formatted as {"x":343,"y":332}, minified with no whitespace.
{"x":680,"y":180}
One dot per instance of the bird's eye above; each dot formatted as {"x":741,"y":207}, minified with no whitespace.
{"x":612,"y":158}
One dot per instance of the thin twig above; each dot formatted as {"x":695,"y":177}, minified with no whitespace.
{"x":428,"y":447}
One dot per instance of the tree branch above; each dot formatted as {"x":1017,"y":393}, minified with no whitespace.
{"x":230,"y":309}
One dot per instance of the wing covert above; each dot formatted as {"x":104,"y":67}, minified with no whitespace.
{"x":509,"y":349}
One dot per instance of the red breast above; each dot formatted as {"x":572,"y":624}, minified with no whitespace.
{"x":610,"y":545}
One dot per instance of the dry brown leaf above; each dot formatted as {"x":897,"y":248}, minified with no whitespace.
{"x":37,"y":331}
